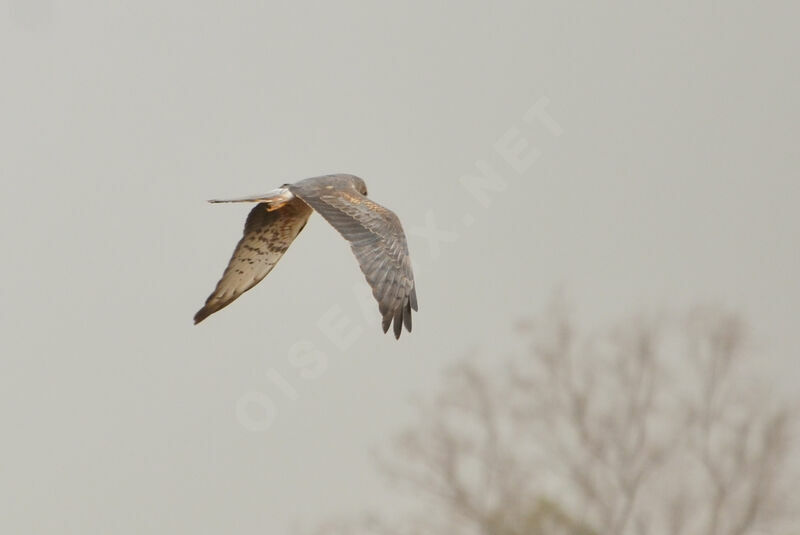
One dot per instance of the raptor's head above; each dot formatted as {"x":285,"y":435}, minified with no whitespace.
{"x":359,"y":184}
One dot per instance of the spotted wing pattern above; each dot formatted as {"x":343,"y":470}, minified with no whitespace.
{"x":267,"y":235}
{"x":378,"y":242}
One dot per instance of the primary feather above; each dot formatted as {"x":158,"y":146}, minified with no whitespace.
{"x":375,"y":234}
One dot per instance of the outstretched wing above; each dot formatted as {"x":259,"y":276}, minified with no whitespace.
{"x":377,"y":239}
{"x":267,"y":235}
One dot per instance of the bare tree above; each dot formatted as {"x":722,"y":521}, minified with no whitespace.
{"x":653,"y":427}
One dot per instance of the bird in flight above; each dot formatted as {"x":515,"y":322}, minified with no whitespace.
{"x":374,"y":232}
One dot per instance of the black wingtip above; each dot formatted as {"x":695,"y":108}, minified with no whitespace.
{"x":397,"y":319}
{"x":407,"y":316}
{"x":392,"y":320}
{"x":202,"y":314}
{"x":412,"y":298}
{"x":398,"y":328}
{"x":398,"y":323}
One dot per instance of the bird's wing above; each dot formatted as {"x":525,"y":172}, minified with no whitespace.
{"x":377,"y":239}
{"x":267,"y":235}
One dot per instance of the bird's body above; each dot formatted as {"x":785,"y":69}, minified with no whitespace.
{"x":374,"y":232}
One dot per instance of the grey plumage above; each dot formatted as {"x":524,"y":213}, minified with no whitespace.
{"x":375,"y":234}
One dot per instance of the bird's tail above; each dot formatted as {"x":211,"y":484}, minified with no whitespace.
{"x":273,"y":199}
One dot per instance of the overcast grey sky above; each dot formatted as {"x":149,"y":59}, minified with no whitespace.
{"x":674,"y":180}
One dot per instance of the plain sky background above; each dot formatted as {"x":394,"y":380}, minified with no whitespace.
{"x":676,"y":181}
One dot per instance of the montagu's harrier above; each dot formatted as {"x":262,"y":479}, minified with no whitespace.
{"x":374,"y":232}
